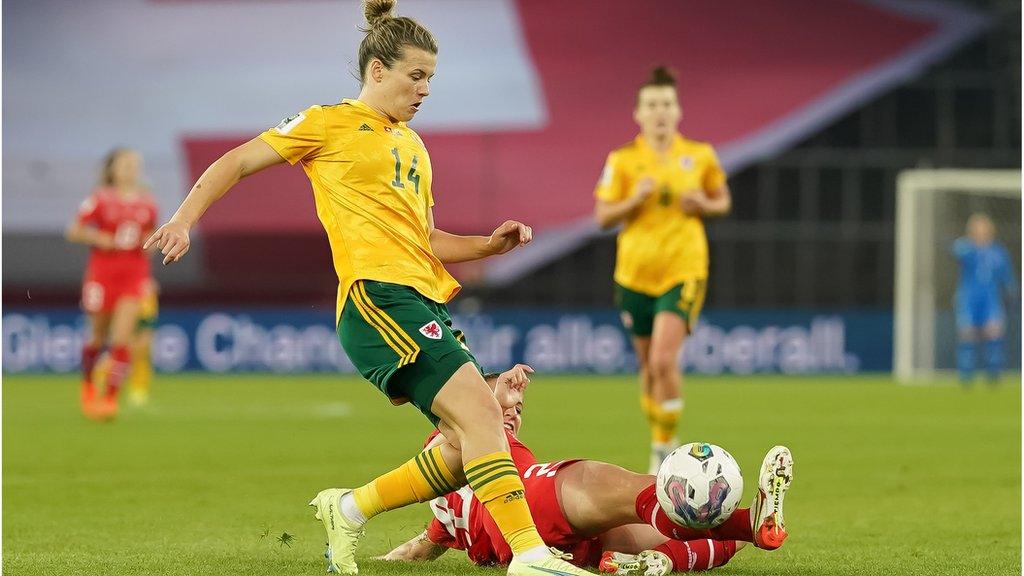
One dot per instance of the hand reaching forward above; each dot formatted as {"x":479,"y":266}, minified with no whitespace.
{"x":171,"y":239}
{"x":508,"y":236}
{"x":511,"y":385}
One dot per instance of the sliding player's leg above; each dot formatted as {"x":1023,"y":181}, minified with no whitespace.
{"x":773,"y":480}
{"x":606,"y":501}
{"x":688,"y":550}
{"x":763,"y":523}
{"x":596,"y":497}
{"x":639,"y":550}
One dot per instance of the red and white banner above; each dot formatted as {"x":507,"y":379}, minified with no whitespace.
{"x":529,"y":96}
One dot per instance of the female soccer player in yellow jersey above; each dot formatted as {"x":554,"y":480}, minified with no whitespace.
{"x":661,"y":186}
{"x":371,"y":179}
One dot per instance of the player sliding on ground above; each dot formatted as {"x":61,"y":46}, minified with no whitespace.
{"x":601,"y":514}
{"x":371,"y":179}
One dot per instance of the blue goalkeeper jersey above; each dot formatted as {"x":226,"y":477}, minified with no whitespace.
{"x":985,"y":272}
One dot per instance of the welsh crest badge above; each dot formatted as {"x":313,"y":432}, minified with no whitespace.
{"x":431,"y":330}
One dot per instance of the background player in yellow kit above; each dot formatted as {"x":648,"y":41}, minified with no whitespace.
{"x":371,"y":179}
{"x":140,"y":374}
{"x":661,"y":186}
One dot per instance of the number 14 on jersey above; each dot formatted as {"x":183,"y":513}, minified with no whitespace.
{"x":412,"y":176}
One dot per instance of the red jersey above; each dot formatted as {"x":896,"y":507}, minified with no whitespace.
{"x":462,"y":522}
{"x":128,"y":220}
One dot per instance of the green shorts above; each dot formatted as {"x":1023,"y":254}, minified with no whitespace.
{"x":145,"y":323}
{"x":402,"y":342}
{"x":148,"y":310}
{"x":638,"y":310}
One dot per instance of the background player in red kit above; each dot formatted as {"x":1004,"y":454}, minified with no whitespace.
{"x":113,"y":221}
{"x":601,"y":514}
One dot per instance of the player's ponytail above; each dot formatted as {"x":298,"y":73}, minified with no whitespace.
{"x":387,"y":35}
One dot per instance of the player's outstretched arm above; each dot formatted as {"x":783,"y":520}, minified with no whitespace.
{"x":172,"y":238}
{"x":418,"y":549}
{"x":509,"y":387}
{"x":454,"y":248}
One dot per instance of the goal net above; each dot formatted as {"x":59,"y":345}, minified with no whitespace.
{"x":932,"y":208}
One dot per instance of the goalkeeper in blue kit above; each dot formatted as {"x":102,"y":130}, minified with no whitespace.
{"x":985,"y":275}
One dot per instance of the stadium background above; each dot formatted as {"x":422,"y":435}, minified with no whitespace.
{"x":815,"y":107}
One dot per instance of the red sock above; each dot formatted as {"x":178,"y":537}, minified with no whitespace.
{"x":90,"y":354}
{"x":120,"y":357}
{"x":697,"y":555}
{"x":648,"y":510}
{"x":735,"y":527}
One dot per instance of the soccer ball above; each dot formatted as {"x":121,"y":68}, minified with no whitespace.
{"x":699,"y":485}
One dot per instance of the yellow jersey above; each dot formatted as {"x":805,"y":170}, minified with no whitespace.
{"x":371,"y":184}
{"x":660,"y":245}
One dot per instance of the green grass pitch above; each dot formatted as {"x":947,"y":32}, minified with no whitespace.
{"x":889,"y":480}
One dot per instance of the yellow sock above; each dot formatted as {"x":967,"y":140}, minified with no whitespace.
{"x":646,"y":405}
{"x":496,"y":483}
{"x":141,"y":371}
{"x":655,"y":422}
{"x":421,"y":479}
{"x":666,"y":420}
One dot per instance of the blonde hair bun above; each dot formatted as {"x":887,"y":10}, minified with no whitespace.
{"x":378,"y":11}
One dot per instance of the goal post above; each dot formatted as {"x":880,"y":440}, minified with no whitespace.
{"x":932,"y":207}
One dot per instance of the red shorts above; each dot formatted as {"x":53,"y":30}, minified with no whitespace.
{"x":100,"y":293}
{"x":554,"y":528}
